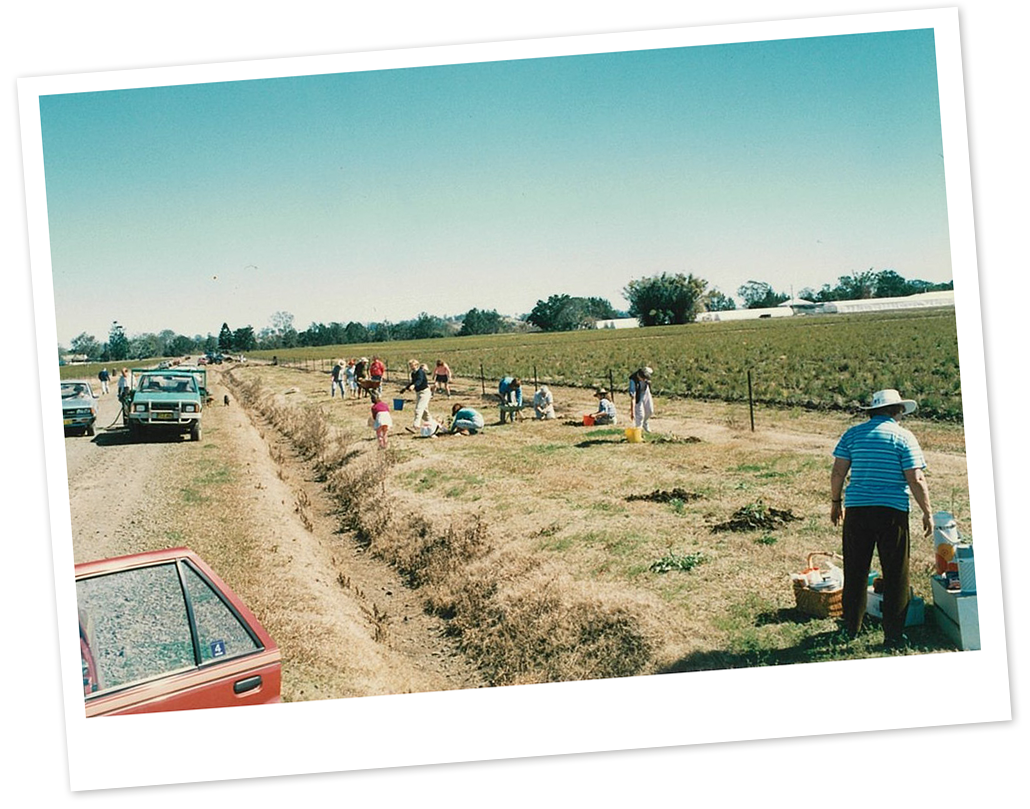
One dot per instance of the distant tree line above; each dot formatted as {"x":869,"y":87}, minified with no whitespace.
{"x":871,"y":284}
{"x":659,"y":300}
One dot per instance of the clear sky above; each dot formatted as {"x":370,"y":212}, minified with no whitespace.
{"x":378,"y":195}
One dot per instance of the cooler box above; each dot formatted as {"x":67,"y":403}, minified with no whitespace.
{"x":957,"y":614}
{"x":914,"y":617}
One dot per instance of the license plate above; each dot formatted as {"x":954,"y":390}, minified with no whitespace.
{"x":164,"y":416}
{"x":68,"y":422}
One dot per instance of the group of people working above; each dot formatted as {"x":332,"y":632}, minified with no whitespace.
{"x":466,"y":420}
{"x":363,"y":377}
{"x":511,"y":403}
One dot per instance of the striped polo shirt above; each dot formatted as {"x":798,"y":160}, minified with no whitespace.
{"x":880,"y":450}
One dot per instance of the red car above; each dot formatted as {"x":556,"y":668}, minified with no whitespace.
{"x":160,"y":631}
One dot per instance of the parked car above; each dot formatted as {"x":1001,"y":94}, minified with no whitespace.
{"x":169,"y":401}
{"x":160,"y":631}
{"x":79,"y":404}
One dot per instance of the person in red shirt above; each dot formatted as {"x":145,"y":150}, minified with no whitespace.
{"x":376,"y":371}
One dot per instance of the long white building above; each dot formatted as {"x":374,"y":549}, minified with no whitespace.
{"x":922,"y":301}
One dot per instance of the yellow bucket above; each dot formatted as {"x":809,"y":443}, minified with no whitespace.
{"x":635,"y":435}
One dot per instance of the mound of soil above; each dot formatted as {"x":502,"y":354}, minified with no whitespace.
{"x":756,"y":517}
{"x":662,"y":496}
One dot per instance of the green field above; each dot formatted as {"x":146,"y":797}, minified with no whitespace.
{"x":827,"y":362}
{"x":821,"y":362}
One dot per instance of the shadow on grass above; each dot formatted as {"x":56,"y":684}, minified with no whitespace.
{"x":595,"y":442}
{"x":831,"y":644}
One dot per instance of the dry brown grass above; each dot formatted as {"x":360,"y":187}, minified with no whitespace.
{"x":524,"y":621}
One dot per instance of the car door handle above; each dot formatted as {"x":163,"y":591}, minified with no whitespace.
{"x":249,"y":684}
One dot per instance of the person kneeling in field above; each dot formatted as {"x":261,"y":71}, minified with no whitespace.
{"x":380,"y":420}
{"x":543,"y":404}
{"x":605,"y":408}
{"x":465,"y":420}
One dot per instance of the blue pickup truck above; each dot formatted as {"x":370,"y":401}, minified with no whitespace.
{"x":167,"y":400}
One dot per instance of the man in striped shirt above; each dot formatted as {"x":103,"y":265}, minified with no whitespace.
{"x":886,"y":465}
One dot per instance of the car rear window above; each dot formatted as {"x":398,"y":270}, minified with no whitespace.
{"x":136,"y":625}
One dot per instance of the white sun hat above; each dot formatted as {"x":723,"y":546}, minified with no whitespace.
{"x":886,"y":398}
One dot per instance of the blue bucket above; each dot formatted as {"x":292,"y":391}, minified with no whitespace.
{"x":398,"y":404}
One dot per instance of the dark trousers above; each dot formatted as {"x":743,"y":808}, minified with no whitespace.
{"x":886,"y":530}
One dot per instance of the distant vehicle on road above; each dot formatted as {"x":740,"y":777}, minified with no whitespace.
{"x":79,"y":404}
{"x":160,"y":631}
{"x":169,"y":400}
{"x":200,"y":373}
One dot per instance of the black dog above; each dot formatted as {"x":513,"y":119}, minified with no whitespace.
{"x":225,"y":401}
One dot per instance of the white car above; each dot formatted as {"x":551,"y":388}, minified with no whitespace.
{"x":79,"y":404}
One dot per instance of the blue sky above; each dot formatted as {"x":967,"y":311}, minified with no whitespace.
{"x":378,"y":195}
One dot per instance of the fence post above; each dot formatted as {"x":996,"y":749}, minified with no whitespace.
{"x":536,"y":385}
{"x":611,"y":384}
{"x":750,"y":400}
{"x":482,"y":378}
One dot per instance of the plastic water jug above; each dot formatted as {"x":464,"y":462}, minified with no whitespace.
{"x":945,"y":538}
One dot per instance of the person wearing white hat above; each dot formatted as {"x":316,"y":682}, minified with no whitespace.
{"x":543,"y":403}
{"x":605,"y":408}
{"x":883,"y":465}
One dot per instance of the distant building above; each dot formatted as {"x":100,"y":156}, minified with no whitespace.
{"x":800,"y":306}
{"x":618,"y":323}
{"x":744,"y":314}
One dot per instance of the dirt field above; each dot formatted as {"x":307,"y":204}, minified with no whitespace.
{"x":551,"y":492}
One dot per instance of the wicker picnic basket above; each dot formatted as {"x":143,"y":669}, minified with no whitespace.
{"x":819,"y":603}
